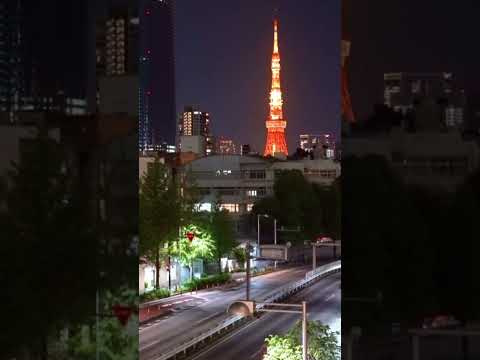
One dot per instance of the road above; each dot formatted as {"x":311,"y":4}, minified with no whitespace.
{"x":323,"y":304}
{"x":205,"y":310}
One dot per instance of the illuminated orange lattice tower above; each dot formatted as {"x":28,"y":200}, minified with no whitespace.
{"x":275,"y":124}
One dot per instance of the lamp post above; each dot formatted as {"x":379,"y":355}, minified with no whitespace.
{"x":275,"y":231}
{"x":258,"y":231}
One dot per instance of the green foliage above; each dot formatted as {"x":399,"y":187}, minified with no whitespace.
{"x":322,"y":343}
{"x":221,"y":227}
{"x":201,"y":247}
{"x":240,"y":256}
{"x":154,"y":295}
{"x":159,"y":209}
{"x":115,"y":342}
{"x":204,"y":282}
{"x":166,"y":204}
{"x":282,"y":348}
{"x":296,"y":202}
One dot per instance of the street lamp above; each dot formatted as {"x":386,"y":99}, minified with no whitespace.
{"x":258,"y":231}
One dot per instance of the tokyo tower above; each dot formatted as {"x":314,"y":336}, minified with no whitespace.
{"x":275,"y":124}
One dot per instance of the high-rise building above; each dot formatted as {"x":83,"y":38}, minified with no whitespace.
{"x":210,"y":145}
{"x":117,"y":46}
{"x":193,"y":122}
{"x":403,"y":90}
{"x":276,"y":124}
{"x":157,"y":83}
{"x":11,"y":70}
{"x":36,"y":63}
{"x":100,"y":48}
{"x":323,"y":142}
{"x":121,"y":44}
{"x":225,"y":146}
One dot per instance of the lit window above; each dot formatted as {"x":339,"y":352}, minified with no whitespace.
{"x":229,"y":207}
{"x":249,"y":207}
{"x":223,"y":172}
{"x":251,"y":192}
{"x":204,"y":207}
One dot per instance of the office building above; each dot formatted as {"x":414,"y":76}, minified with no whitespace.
{"x":245,"y":149}
{"x":40,"y":70}
{"x":237,"y":182}
{"x":225,"y":146}
{"x":405,"y":91}
{"x":434,"y":159}
{"x":11,"y":66}
{"x":323,"y":144}
{"x":121,"y":44}
{"x":194,"y":130}
{"x":192,"y":121}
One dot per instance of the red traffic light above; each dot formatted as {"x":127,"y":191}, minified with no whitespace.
{"x":190,"y":235}
{"x":122,"y":313}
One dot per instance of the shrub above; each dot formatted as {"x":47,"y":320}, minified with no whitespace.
{"x":154,"y":295}
{"x":203,"y":282}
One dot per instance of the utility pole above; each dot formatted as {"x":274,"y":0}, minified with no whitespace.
{"x":300,"y":309}
{"x":275,"y":231}
{"x":275,"y":238}
{"x":314,"y":257}
{"x":247,"y":256}
{"x":304,"y":331}
{"x":258,"y":235}
{"x":169,"y":273}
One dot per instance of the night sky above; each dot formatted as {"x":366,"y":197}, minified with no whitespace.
{"x":407,"y":35}
{"x":223,"y":57}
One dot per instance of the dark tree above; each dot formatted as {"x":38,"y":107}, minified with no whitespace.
{"x":48,"y":252}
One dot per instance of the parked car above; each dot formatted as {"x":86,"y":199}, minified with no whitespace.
{"x":323,"y":239}
{"x":440,"y":322}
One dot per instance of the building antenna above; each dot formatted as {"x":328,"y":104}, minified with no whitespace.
{"x":275,"y":12}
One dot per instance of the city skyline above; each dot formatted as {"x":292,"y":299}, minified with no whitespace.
{"x":416,"y":48}
{"x":239,"y":76}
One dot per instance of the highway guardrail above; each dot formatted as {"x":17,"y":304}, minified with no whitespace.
{"x":236,"y":320}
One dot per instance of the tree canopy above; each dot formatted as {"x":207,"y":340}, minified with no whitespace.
{"x":49,"y":245}
{"x":299,"y":203}
{"x":322,"y":343}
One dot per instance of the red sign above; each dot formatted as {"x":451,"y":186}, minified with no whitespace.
{"x":122,"y":313}
{"x":190,"y":235}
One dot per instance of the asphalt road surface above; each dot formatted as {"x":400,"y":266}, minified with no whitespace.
{"x":205,"y":310}
{"x":323,"y":304}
